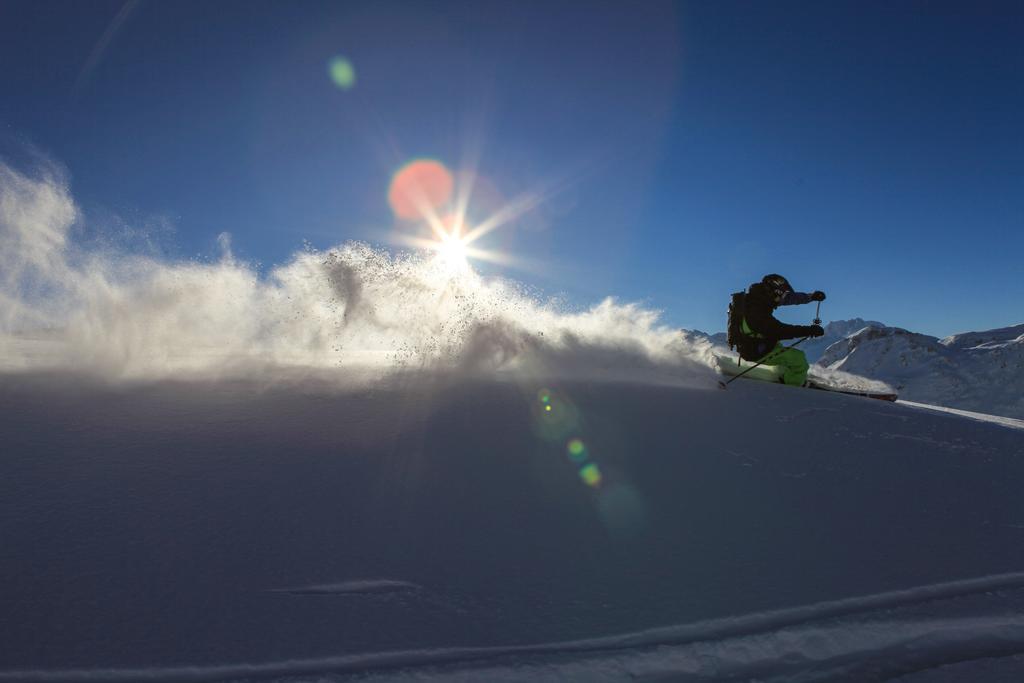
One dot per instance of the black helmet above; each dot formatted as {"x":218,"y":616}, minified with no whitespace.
{"x":777,"y":285}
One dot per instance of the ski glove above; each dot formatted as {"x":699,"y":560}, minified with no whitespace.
{"x":817,"y":295}
{"x":815,"y":331}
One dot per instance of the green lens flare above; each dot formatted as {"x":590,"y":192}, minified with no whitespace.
{"x":555,"y":418}
{"x":591,"y":475}
{"x":342,"y":73}
{"x":577,"y":451}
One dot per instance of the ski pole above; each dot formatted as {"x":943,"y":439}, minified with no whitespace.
{"x":722,"y":385}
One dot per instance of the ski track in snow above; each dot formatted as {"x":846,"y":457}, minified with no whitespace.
{"x":810,"y":643}
{"x":981,"y":417}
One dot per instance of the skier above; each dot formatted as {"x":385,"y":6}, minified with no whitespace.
{"x":756,"y":333}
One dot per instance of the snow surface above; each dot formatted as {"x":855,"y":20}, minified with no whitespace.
{"x":362,"y":466}
{"x":434,"y":527}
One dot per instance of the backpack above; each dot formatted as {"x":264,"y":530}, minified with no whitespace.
{"x":734,"y":329}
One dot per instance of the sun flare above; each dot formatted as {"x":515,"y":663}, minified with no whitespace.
{"x":426,"y":196}
{"x":453,"y":251}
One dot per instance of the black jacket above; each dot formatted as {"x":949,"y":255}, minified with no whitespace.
{"x":758,"y":311}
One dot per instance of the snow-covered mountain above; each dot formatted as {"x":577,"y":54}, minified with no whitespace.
{"x":976,"y":371}
{"x":980,"y":371}
{"x":835,"y":331}
{"x":1002,"y":335}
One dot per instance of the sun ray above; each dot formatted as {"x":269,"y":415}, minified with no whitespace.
{"x":505,"y":214}
{"x":463,"y":192}
{"x":525,"y":203}
{"x":508,"y":260}
{"x":498,"y":257}
{"x":472,"y":152}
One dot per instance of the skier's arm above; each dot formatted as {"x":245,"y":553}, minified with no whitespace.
{"x":795,"y":299}
{"x":763,"y":322}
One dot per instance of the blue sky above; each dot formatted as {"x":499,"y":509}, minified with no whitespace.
{"x":873,"y":150}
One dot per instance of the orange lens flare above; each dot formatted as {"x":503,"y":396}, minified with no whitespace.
{"x":420,"y":189}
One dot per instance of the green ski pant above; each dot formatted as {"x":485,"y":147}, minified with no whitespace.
{"x":792,"y":361}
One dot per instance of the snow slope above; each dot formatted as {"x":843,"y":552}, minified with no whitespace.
{"x":441,"y":526}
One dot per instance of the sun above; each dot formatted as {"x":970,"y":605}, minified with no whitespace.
{"x":453,"y":251}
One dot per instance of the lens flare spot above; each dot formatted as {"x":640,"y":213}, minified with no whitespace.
{"x":556,"y":419}
{"x":419,"y":189}
{"x":342,"y":72}
{"x":577,"y":451}
{"x":591,"y":475}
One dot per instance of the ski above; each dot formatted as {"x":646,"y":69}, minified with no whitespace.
{"x":881,"y":396}
{"x":728,"y":367}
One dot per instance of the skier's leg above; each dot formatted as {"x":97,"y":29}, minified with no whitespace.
{"x":793,"y":363}
{"x":796,"y":367}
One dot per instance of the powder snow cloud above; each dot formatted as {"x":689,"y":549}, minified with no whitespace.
{"x":126,"y":314}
